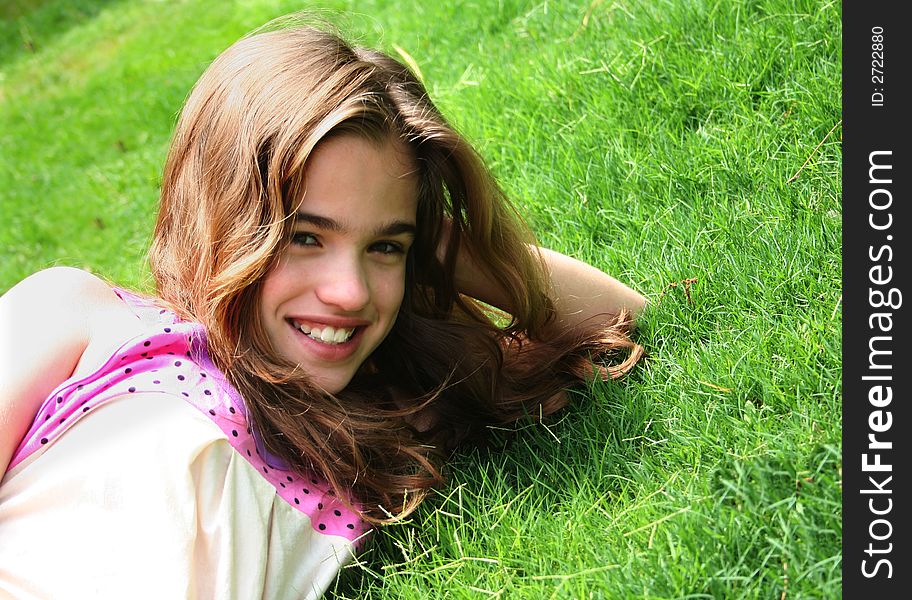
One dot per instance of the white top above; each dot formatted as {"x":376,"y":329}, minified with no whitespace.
{"x":116,"y":509}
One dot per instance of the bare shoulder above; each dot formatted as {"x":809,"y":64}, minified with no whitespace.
{"x":47,"y":322}
{"x":65,"y":310}
{"x":63,"y":284}
{"x":68,"y":299}
{"x":106,"y":319}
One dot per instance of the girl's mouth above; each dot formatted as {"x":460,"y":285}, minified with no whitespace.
{"x":326,"y":342}
{"x":327,"y":335}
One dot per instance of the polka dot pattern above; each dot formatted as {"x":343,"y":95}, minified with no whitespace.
{"x":148,"y":364}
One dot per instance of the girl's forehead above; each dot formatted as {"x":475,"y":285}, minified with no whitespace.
{"x":391,"y":146}
{"x":353,"y":178}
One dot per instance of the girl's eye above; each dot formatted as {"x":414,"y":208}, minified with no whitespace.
{"x":387,"y":248}
{"x":302,"y":238}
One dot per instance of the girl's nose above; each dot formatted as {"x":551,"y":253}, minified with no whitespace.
{"x":344,"y":285}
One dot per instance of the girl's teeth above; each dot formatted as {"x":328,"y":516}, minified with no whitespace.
{"x":328,"y":335}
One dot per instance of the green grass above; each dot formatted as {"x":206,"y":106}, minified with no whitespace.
{"x":661,"y":141}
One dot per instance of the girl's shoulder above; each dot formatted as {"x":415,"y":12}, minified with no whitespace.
{"x":66,"y":291}
{"x":51,"y":323}
{"x":79,"y":309}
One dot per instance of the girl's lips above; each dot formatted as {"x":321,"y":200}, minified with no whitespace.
{"x":335,"y":322}
{"x":324,"y":351}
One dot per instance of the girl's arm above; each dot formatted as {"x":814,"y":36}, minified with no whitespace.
{"x":44,"y":329}
{"x":580,"y":292}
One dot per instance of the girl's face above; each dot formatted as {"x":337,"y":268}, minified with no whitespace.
{"x":334,"y":294}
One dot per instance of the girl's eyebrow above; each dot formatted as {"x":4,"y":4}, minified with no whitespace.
{"x":317,"y":221}
{"x":392,"y":228}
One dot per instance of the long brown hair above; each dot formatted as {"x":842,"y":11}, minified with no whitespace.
{"x":231,"y":182}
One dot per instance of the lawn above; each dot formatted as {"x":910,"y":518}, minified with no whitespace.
{"x":690,"y":148}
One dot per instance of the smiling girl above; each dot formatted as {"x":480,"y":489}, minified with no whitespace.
{"x":328,"y":257}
